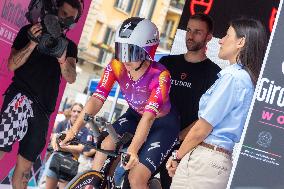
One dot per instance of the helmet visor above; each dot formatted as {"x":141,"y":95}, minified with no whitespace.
{"x":129,"y":53}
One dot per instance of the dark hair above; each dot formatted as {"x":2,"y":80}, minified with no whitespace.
{"x":252,"y":54}
{"x":76,"y":104}
{"x":204,"y":18}
{"x":77,"y":4}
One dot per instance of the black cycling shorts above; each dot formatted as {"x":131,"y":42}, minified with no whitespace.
{"x":163,"y":136}
{"x":23,"y":120}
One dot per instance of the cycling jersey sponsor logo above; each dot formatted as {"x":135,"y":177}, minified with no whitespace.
{"x":142,"y":89}
{"x":122,"y":120}
{"x":163,"y":79}
{"x":106,"y":75}
{"x":154,"y":145}
{"x":99,"y":91}
{"x":106,"y":163}
{"x":138,"y":102}
{"x":164,"y":155}
{"x":125,"y":27}
{"x":158,"y":91}
{"x":151,"y":162}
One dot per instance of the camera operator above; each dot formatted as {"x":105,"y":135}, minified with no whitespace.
{"x":31,"y":97}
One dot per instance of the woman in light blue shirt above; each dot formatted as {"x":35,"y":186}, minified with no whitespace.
{"x":205,"y":153}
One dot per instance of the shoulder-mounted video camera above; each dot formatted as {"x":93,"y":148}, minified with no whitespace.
{"x":52,"y":41}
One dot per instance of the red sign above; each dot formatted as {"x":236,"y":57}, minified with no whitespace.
{"x":204,"y":5}
{"x":272,"y":18}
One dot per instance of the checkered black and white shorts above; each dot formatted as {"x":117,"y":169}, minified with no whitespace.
{"x":21,"y":119}
{"x":14,"y":120}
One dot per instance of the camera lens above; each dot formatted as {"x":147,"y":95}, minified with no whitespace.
{"x":51,"y":42}
{"x":52,"y":46}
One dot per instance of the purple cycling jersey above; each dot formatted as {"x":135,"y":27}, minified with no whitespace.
{"x":149,"y":93}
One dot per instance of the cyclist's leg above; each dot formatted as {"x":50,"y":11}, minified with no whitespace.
{"x":100,"y":158}
{"x":139,"y":176}
{"x":126,"y":123}
{"x":153,"y":183}
{"x":161,"y":139}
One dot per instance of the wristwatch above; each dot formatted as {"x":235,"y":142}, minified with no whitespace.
{"x":175,"y":156}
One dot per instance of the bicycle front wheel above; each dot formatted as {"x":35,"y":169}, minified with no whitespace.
{"x":87,"y":178}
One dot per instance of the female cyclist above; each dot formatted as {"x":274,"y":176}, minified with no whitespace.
{"x":145,"y":85}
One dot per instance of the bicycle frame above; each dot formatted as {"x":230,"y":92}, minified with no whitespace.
{"x":104,"y":178}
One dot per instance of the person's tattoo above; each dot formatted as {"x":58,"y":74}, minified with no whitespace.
{"x":69,"y":70}
{"x":22,"y":56}
{"x":26,"y":178}
{"x":23,"y":182}
{"x":73,"y":66}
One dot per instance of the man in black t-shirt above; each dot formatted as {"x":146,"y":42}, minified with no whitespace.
{"x":192,"y":74}
{"x":31,"y":97}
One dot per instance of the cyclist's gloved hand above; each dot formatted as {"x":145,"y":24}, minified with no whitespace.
{"x":133,"y":161}
{"x":70,"y":134}
{"x":124,"y":158}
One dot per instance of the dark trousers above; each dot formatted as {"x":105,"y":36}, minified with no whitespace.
{"x":166,"y":180}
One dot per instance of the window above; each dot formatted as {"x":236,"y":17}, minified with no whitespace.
{"x":166,"y":40}
{"x":96,"y":31}
{"x":168,"y":28}
{"x":105,"y":55}
{"x":109,"y":37}
{"x":146,"y":9}
{"x":124,"y":5}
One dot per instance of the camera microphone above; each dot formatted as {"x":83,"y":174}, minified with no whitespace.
{"x":52,"y":41}
{"x":52,"y":25}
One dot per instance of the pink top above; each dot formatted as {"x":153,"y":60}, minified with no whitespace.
{"x":149,"y":93}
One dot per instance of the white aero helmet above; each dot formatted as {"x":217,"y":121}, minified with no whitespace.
{"x":136,"y":39}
